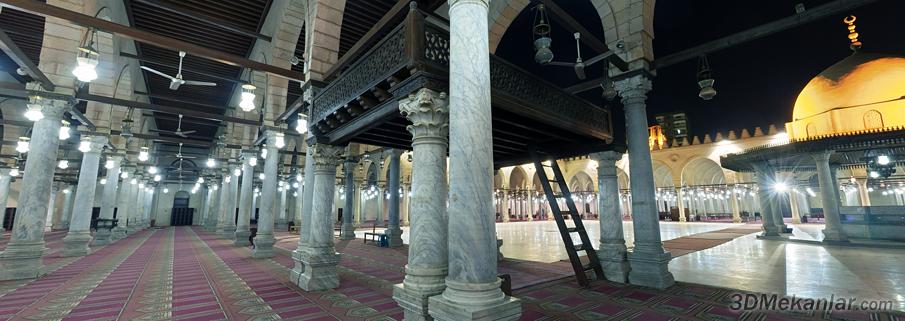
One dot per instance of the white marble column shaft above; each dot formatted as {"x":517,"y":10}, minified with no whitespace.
{"x":245,"y":198}
{"x":764,"y":183}
{"x":649,"y":260}
{"x":321,"y":260}
{"x":109,"y":203}
{"x":393,"y":232}
{"x":231,"y":186}
{"x":214,"y":216}
{"x":300,"y":255}
{"x":347,"y":230}
{"x":428,"y":258}
{"x":828,"y":194}
{"x":22,"y":257}
{"x":612,"y":252}
{"x":264,"y":240}
{"x":76,"y":241}
{"x":472,"y":286}
{"x":5,"y":181}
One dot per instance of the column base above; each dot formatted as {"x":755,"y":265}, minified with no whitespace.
{"x":280,"y":226}
{"x":420,"y":284}
{"x":226,"y":232}
{"x":769,"y":231}
{"x":347,"y":232}
{"x":240,"y":238}
{"x":299,"y":256}
{"x":736,"y":220}
{"x":263,"y":246}
{"x":21,"y":260}
{"x":118,"y":233}
{"x":474,"y":301}
{"x":613,"y":260}
{"x":320,"y":269}
{"x":650,"y":269}
{"x":102,"y":237}
{"x":833,"y":235}
{"x":76,"y":244}
{"x":394,"y":236}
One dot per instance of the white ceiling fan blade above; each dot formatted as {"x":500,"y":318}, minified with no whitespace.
{"x":158,"y":72}
{"x":188,"y":132}
{"x":199,"y":83}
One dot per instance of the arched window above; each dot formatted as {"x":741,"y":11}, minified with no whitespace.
{"x":873,"y":119}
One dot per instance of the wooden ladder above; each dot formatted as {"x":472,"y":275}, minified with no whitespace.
{"x":581,"y":270}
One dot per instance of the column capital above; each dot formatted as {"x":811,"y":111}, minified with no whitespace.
{"x":607,"y":156}
{"x":632,"y":88}
{"x":54,"y":109}
{"x":97,"y":143}
{"x":822,"y":156}
{"x":428,"y":111}
{"x":485,"y":3}
{"x":327,"y":156}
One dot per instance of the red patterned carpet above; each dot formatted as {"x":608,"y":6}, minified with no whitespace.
{"x":188,"y":274}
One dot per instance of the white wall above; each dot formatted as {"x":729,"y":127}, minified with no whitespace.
{"x":163,"y":204}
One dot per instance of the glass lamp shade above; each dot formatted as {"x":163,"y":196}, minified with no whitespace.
{"x":63,"y":164}
{"x":33,"y":112}
{"x":157,"y":178}
{"x":237,"y":172}
{"x":211,"y":162}
{"x":253,"y":161}
{"x":280,"y":141}
{"x":85,"y":70}
{"x":109,"y":164}
{"x":152,"y":170}
{"x":22,"y":145}
{"x":84,"y":146}
{"x":166,"y":190}
{"x":143,"y":154}
{"x":301,"y":126}
{"x":14,"y":172}
{"x":262,"y":176}
{"x":124,"y":175}
{"x":65,"y":131}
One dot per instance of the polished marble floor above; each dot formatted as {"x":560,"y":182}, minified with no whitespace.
{"x":745,"y":263}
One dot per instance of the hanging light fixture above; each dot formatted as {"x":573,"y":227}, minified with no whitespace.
{"x":253,"y":161}
{"x":295,"y":184}
{"x":261,"y":176}
{"x":247,"y":100}
{"x":87,"y":59}
{"x":237,"y":172}
{"x":152,"y":170}
{"x":211,"y":162}
{"x":124,"y":175}
{"x":200,"y":180}
{"x":166,"y":190}
{"x":298,"y":177}
{"x":22,"y":145}
{"x":33,"y":108}
{"x":141,"y":185}
{"x":63,"y":164}
{"x":705,"y":79}
{"x":104,"y":181}
{"x":14,"y":172}
{"x":280,"y":141}
{"x":264,"y":151}
{"x":607,"y":84}
{"x":143,"y":154}
{"x":65,"y":130}
{"x":157,"y":178}
{"x":542,"y":41}
{"x":109,"y":164}
{"x":133,"y":181}
{"x":301,"y":124}
{"x":85,"y":145}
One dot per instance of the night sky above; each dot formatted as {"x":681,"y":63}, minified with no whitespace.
{"x":757,"y":82}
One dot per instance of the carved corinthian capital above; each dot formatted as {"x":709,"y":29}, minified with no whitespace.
{"x":327,"y":157}
{"x":634,"y":89}
{"x":428,"y":111}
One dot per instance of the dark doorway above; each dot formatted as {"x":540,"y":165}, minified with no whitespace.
{"x":181,"y":213}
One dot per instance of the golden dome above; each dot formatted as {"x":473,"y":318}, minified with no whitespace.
{"x":860,"y":92}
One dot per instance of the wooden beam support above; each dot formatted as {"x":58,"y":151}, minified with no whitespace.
{"x":166,"y":109}
{"x":18,"y":56}
{"x":829,"y":9}
{"x":46,"y":10}
{"x":222,"y":24}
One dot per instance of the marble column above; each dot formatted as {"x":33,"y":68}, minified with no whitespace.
{"x":223,"y":228}
{"x":381,"y":196}
{"x":347,"y":231}
{"x":68,"y":195}
{"x":123,"y":202}
{"x":793,"y":204}
{"x":108,"y":203}
{"x":505,"y":201}
{"x":777,"y":204}
{"x":393,"y":232}
{"x":243,"y":231}
{"x":680,"y":197}
{"x":300,"y":255}
{"x":733,"y":203}
{"x":649,"y":261}
{"x":231,"y":187}
{"x":76,"y":241}
{"x":214,"y":216}
{"x":828,"y":194}
{"x":764,"y":194}
{"x":427,"y":268}
{"x":264,"y":240}
{"x":5,"y":181}
{"x":280,"y":223}
{"x":321,"y":259}
{"x":612,"y":252}
{"x":863,"y":193}
{"x":472,"y":287}
{"x":22,"y":257}
{"x":48,"y":222}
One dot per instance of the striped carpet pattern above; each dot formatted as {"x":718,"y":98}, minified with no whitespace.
{"x":187,"y":273}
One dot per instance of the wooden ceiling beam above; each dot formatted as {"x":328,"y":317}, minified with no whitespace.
{"x":46,"y":10}
{"x":166,"y":109}
{"x":20,"y":58}
{"x":219,"y":23}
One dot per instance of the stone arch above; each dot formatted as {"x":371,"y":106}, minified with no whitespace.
{"x":662,"y":175}
{"x":580,"y":182}
{"x":873,"y":119}
{"x":702,"y":171}
{"x":518,"y":179}
{"x":622,"y":178}
{"x":629,"y":21}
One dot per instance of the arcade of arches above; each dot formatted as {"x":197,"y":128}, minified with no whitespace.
{"x":366,"y":160}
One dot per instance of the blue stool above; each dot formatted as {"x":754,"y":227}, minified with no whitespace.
{"x":383,"y":241}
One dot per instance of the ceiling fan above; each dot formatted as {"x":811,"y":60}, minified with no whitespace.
{"x":177,"y":81}
{"x":178,"y":131}
{"x":180,"y":156}
{"x":579,"y":64}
